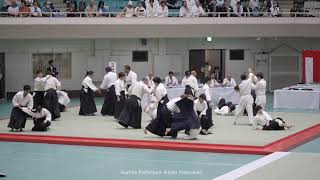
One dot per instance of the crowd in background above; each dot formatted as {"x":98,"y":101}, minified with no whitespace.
{"x":148,"y":8}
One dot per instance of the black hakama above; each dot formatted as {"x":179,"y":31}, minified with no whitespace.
{"x":185,"y":120}
{"x":119,"y":105}
{"x":189,"y":90}
{"x":274,"y":125}
{"x":38,"y":99}
{"x":131,"y":114}
{"x":40,"y":125}
{"x":61,"y":107}
{"x":206,"y":120}
{"x":87,"y":103}
{"x":109,"y":102}
{"x":51,"y":103}
{"x":18,"y":118}
{"x":159,"y":125}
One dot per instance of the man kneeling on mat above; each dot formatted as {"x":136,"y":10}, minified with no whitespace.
{"x":41,"y":118}
{"x":263,"y":121}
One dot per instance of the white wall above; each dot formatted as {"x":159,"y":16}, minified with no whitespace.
{"x":164,"y":55}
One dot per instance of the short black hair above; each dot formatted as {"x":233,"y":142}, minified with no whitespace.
{"x":108,"y":69}
{"x":50,"y":62}
{"x":170,"y":72}
{"x":236,"y":88}
{"x":89,"y":73}
{"x":26,"y":87}
{"x":157,"y":80}
{"x":121,"y":74}
{"x":39,"y":71}
{"x":258,"y":108}
{"x":187,"y":73}
{"x":37,"y":109}
{"x":243,"y":77}
{"x":260,"y":75}
{"x":203,"y":96}
{"x":127,"y":67}
{"x":207,"y":79}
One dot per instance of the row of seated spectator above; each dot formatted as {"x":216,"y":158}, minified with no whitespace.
{"x":149,"y":8}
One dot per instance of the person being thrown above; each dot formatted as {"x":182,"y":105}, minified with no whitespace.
{"x":263,"y":121}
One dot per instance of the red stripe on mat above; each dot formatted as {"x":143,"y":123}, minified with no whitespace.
{"x":283,"y":144}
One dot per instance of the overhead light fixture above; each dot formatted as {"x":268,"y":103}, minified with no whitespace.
{"x":209,"y":39}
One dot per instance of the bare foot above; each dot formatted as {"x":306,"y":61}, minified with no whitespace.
{"x":145,"y":131}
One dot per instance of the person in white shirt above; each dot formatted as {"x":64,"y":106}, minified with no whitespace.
{"x":110,"y":97}
{"x":260,"y":91}
{"x":263,"y":121}
{"x":41,"y":118}
{"x":39,"y":88}
{"x":229,"y":81}
{"x":152,"y":8}
{"x":13,"y":9}
{"x":18,"y":117}
{"x":63,"y":100}
{"x":121,"y":92}
{"x":246,"y":99}
{"x":197,"y":9}
{"x":201,"y":108}
{"x":131,"y":114}
{"x":185,"y":10}
{"x":128,"y":11}
{"x":151,"y":108}
{"x":131,"y":76}
{"x":275,"y":10}
{"x":87,"y":103}
{"x":190,"y":82}
{"x":171,"y":80}
{"x":233,"y":3}
{"x":238,"y":10}
{"x":140,"y":11}
{"x":163,"y":10}
{"x":206,"y":125}
{"x":160,"y":92}
{"x":151,"y":84}
{"x":255,"y":6}
{"x":51,"y":98}
{"x":35,"y":9}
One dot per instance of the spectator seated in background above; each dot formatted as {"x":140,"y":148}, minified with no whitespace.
{"x":24,"y":10}
{"x":128,"y":11}
{"x":91,"y":9}
{"x":247,"y":10}
{"x":296,"y":9}
{"x":72,"y":9}
{"x":13,"y":9}
{"x":163,"y":10}
{"x":229,"y":81}
{"x":275,"y":10}
{"x":101,"y":11}
{"x":220,"y":3}
{"x":82,"y":6}
{"x":211,"y":7}
{"x":226,"y":10}
{"x":140,"y":11}
{"x":185,"y":10}
{"x":238,"y":10}
{"x":152,"y":8}
{"x":255,"y":6}
{"x":46,"y":10}
{"x":35,"y":9}
{"x":197,"y":9}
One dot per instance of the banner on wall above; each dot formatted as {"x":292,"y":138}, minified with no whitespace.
{"x":311,"y":66}
{"x":113,"y":65}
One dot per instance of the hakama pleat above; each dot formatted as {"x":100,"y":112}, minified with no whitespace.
{"x":17,"y":119}
{"x":87,"y":103}
{"x":119,"y":105}
{"x":51,"y":103}
{"x":109,"y":102}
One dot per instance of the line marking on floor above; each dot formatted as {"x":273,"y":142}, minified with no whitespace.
{"x":246,"y":169}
